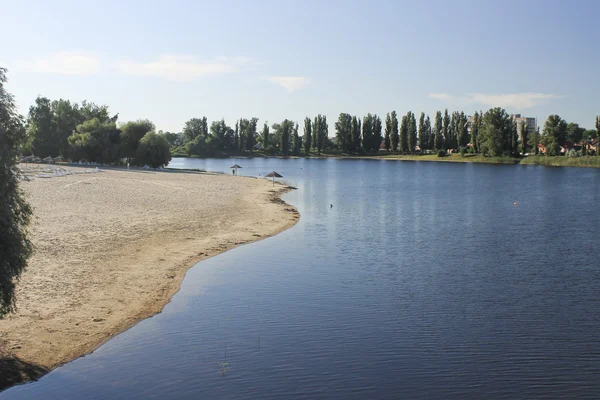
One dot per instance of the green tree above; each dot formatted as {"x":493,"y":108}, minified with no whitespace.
{"x":15,"y":213}
{"x":524,"y":137}
{"x":67,"y":116}
{"x":438,"y":135}
{"x":388,"y":132}
{"x":367,"y":132}
{"x":131,"y":134}
{"x":446,"y":129}
{"x":265,"y":136}
{"x":411,"y":131}
{"x":554,"y":134}
{"x":376,"y":134}
{"x":41,"y":129}
{"x":495,"y":133}
{"x":475,"y":132}
{"x":574,"y":132}
{"x":195,"y":127}
{"x":356,"y":139}
{"x":286,"y":131}
{"x":323,"y":132}
{"x":251,"y":134}
{"x":153,"y":150}
{"x":296,"y":141}
{"x":429,"y":133}
{"x":452,"y":129}
{"x":315,"y":134}
{"x":536,"y":140}
{"x":343,"y":132}
{"x":403,"y":134}
{"x":394,"y":134}
{"x":463,"y":133}
{"x":96,"y":141}
{"x":307,"y":135}
{"x":422,"y":132}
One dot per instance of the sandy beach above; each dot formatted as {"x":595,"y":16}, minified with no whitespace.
{"x":112,"y":247}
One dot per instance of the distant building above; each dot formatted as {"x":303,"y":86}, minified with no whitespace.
{"x":531,"y":124}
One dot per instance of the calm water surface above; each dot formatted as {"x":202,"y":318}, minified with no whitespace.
{"x":423,"y":281}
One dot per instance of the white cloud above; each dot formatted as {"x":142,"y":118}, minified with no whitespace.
{"x":509,"y":100}
{"x":183,"y":68}
{"x":65,"y":62}
{"x":290,"y":83}
{"x":441,"y":96}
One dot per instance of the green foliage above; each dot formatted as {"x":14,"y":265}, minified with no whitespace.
{"x":411,"y":134}
{"x":463,"y":133}
{"x":194,"y":128}
{"x":356,"y":139}
{"x":96,"y":141}
{"x":343,"y":132}
{"x":441,"y":153}
{"x":371,"y":133}
{"x":395,"y":137}
{"x":265,"y":136}
{"x":388,"y":132}
{"x":574,"y":132}
{"x":438,"y":138}
{"x":403,"y":135}
{"x":554,"y":134}
{"x":296,"y":141}
{"x":307,"y":135}
{"x":524,"y":137}
{"x":496,"y":133}
{"x":446,"y":130}
{"x":475,"y":132}
{"x":153,"y":150}
{"x":131,"y":134}
{"x":15,"y":213}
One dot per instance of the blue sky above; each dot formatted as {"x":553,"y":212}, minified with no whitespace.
{"x":169,"y":61}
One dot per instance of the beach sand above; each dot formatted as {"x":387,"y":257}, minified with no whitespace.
{"x":112,"y":248}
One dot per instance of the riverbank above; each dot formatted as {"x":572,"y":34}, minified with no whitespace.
{"x":112,"y":248}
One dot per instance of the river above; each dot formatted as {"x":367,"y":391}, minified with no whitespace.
{"x":402,"y":280}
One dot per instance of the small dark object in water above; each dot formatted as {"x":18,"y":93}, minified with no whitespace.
{"x":331,"y":206}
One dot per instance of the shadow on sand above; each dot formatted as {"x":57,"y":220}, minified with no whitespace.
{"x":14,"y":371}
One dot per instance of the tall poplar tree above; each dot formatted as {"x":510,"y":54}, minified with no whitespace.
{"x":395,"y":138}
{"x":412,"y":132}
{"x":307,"y":135}
{"x":422,"y":133}
{"x":265,"y":136}
{"x":315,"y":135}
{"x":404,"y":134}
{"x":446,"y":129}
{"x":475,"y":131}
{"x":524,"y":137}
{"x":429,"y":130}
{"x":388,"y":132}
{"x":438,"y":131}
{"x":376,"y":133}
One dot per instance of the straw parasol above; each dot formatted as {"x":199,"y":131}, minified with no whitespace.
{"x":235,"y":168}
{"x":48,"y":160}
{"x":273,"y":175}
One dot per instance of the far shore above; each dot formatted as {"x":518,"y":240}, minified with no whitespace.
{"x":550,"y":161}
{"x":112,"y":248}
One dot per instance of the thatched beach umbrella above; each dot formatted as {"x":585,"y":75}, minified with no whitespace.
{"x":48,"y":160}
{"x":235,"y":168}
{"x":273,"y":175}
{"x":58,"y":159}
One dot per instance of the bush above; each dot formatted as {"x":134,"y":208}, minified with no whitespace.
{"x":462,"y":151}
{"x":153,"y":150}
{"x":442,"y":153}
{"x":270,"y":150}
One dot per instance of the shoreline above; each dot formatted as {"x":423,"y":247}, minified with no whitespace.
{"x":546,"y":161}
{"x":142,"y":274}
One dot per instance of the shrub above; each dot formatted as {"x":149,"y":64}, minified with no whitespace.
{"x":442,"y":153}
{"x":153,"y":150}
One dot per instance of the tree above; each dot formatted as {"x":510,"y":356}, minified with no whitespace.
{"x":514,"y":145}
{"x":264,"y":136}
{"x":356,"y":139}
{"x":315,"y":135}
{"x":536,"y":140}
{"x":131,"y":134}
{"x":297,"y":142}
{"x":475,"y":132}
{"x":438,"y":138}
{"x":251,"y":134}
{"x":15,"y":213}
{"x":598,"y":131}
{"x":67,"y":116}
{"x":446,"y":129}
{"x":286,"y":131}
{"x":574,"y":132}
{"x":323,"y":132}
{"x":41,"y":129}
{"x":307,"y":135}
{"x":367,"y":132}
{"x":394,"y":136}
{"x":429,"y":133}
{"x":344,"y":128}
{"x":412,"y":131}
{"x":554,"y":134}
{"x":388,"y":132}
{"x":404,"y":134}
{"x":376,"y":133}
{"x":153,"y":150}
{"x":496,"y":132}
{"x":451,"y":141}
{"x":194,"y":128}
{"x":96,"y":141}
{"x":463,"y":133}
{"x":422,"y":132}
{"x":524,"y":137}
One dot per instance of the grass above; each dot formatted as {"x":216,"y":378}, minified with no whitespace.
{"x":562,"y":161}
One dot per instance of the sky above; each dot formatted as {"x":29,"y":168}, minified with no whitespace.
{"x":170,"y":61}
